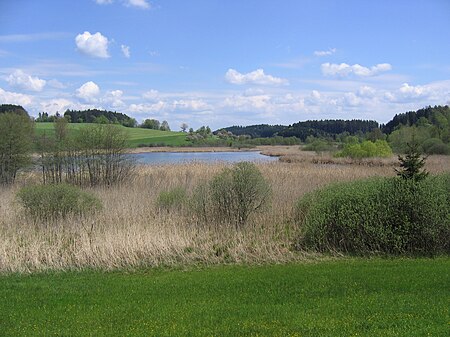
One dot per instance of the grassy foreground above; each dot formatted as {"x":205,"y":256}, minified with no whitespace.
{"x":336,"y":298}
{"x":136,"y":136}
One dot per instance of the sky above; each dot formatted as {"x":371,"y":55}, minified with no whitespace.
{"x":226,"y":62}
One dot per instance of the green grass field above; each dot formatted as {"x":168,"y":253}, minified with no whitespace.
{"x":349,"y":297}
{"x":136,"y":135}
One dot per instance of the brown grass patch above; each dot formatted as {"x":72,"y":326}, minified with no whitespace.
{"x":131,"y":232}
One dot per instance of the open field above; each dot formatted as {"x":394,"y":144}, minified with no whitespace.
{"x":133,"y":232}
{"x":347,"y":297}
{"x":136,"y":136}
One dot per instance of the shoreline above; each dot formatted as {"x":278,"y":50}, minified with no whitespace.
{"x":198,"y":149}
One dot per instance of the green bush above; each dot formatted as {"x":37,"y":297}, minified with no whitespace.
{"x":435,"y":146}
{"x":232,"y":196}
{"x":366,"y":149}
{"x":318,"y":145}
{"x":384,"y":215}
{"x":173,"y":199}
{"x":53,"y":202}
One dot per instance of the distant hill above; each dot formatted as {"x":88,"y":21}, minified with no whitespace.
{"x":17,"y":109}
{"x":92,"y":116}
{"x":430,"y":115}
{"x":301,"y":130}
{"x":256,"y":131}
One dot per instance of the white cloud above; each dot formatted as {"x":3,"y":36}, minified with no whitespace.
{"x":114,"y":99}
{"x":89,"y":91}
{"x":125,"y":51}
{"x":104,"y":2}
{"x":255,"y":77}
{"x":22,"y":80}
{"x":325,"y":52}
{"x":8,"y":97}
{"x":344,"y":69}
{"x":95,"y":45}
{"x":143,"y":4}
{"x":151,"y":95}
{"x":191,"y":105}
{"x":56,"y":84}
{"x":366,"y":91}
{"x":57,"y":105}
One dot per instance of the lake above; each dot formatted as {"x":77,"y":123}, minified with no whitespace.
{"x":156,"y":158}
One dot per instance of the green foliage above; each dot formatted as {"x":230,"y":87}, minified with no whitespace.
{"x":384,"y":215}
{"x":14,"y":109}
{"x":16,"y":132}
{"x":412,"y":164}
{"x":101,"y":120}
{"x":233,"y":195}
{"x":92,"y":115}
{"x":54,"y":202}
{"x":318,"y":145}
{"x":366,"y":149}
{"x":174,"y":199}
{"x":153,"y":124}
{"x":435,"y":146}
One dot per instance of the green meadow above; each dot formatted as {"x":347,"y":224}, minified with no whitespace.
{"x":346,"y":297}
{"x":136,"y":136}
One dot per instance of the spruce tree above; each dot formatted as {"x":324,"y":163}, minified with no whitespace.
{"x":412,"y":163}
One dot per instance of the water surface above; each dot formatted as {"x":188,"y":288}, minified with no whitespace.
{"x":156,"y":158}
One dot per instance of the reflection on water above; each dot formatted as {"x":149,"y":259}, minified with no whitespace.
{"x":155,"y":158}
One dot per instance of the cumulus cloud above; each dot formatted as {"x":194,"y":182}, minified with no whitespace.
{"x":95,"y":45}
{"x":8,"y":97}
{"x":190,"y":105}
{"x":344,"y":69}
{"x":325,"y":52}
{"x":255,"y":77}
{"x":151,"y":95}
{"x":89,"y":91}
{"x":104,"y":2}
{"x":114,"y":99}
{"x":22,"y":80}
{"x":125,"y":51}
{"x":143,"y":4}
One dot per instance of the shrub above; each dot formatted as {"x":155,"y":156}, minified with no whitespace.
{"x":366,"y":149}
{"x":173,"y":199}
{"x":232,"y":196}
{"x":318,"y":145}
{"x":435,"y":146}
{"x":387,"y":215}
{"x":53,"y":202}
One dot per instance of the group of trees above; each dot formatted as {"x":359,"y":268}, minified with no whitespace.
{"x":100,"y":117}
{"x":94,"y":155}
{"x":301,"y":130}
{"x":429,"y":127}
{"x":155,"y":124}
{"x":16,"y":136}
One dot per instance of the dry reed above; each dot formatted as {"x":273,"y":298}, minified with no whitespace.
{"x":130,"y":231}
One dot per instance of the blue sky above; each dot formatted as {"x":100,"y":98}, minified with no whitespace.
{"x":224,"y":62}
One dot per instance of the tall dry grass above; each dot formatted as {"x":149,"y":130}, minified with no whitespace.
{"x":131,"y":231}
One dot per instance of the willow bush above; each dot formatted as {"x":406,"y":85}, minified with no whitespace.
{"x":382,"y":215}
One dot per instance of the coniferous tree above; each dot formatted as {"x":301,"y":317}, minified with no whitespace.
{"x":412,"y":163}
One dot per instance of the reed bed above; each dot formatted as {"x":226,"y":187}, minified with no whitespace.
{"x":132,"y":232}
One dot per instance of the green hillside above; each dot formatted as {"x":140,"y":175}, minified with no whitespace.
{"x":136,"y":136}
